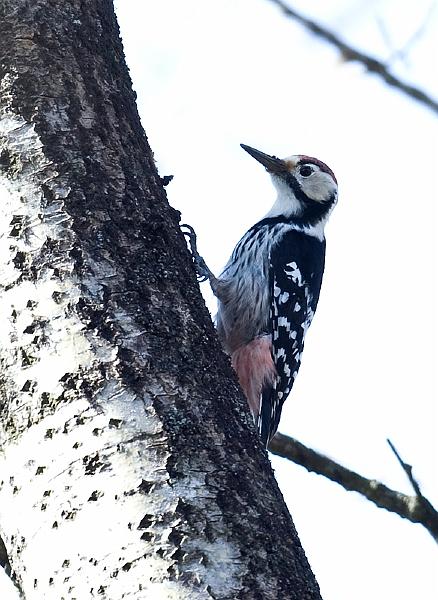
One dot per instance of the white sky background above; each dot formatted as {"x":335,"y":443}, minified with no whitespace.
{"x":210,"y":75}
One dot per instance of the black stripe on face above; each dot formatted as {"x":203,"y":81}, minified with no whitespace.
{"x":313,"y":211}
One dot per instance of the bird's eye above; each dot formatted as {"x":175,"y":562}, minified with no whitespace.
{"x":305,"y":170}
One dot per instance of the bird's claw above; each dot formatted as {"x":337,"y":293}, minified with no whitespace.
{"x":202,"y":271}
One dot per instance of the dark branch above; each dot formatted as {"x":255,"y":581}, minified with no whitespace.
{"x":349,"y":53}
{"x":414,"y":508}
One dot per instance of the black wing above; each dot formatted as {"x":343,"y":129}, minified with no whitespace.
{"x":295,"y":284}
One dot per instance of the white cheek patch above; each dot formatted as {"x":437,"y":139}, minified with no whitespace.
{"x":319,"y":186}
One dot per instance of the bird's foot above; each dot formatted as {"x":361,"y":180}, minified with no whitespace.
{"x":202,"y":271}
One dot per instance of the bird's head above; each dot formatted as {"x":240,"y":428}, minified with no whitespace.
{"x":307,"y":187}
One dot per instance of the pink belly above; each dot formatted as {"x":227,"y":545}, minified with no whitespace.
{"x":255,"y":369}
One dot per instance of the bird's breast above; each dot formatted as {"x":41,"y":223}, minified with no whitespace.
{"x":244,"y":291}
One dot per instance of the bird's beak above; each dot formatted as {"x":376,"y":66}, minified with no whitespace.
{"x":272,"y":163}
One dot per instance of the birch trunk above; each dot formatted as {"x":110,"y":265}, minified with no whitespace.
{"x":128,"y":465}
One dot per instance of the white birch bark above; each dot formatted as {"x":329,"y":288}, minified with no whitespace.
{"x":128,"y":462}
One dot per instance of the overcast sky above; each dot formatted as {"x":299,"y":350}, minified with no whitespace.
{"x":211,"y":75}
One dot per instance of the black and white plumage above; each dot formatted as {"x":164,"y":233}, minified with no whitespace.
{"x":294,"y":291}
{"x":269,"y":289}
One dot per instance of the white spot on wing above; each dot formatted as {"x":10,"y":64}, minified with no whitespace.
{"x":294,"y":273}
{"x":284,"y":297}
{"x":284,"y":322}
{"x":280,"y":352}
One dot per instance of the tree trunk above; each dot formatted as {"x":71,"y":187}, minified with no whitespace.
{"x":129,"y":465}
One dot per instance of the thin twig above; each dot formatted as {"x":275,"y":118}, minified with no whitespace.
{"x":407,"y":469}
{"x":415,"y":37}
{"x":349,"y":53}
{"x":414,"y":508}
{"x":430,"y":514}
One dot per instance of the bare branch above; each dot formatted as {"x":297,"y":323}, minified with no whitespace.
{"x":414,"y":508}
{"x":349,"y":53}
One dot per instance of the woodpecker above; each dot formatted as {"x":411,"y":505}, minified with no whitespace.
{"x":269,"y":289}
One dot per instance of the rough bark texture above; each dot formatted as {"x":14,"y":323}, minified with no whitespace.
{"x":128,"y":466}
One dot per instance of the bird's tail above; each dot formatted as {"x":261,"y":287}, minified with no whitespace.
{"x":270,"y":411}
